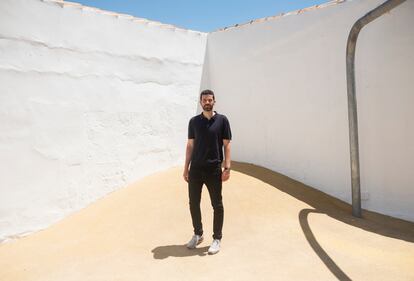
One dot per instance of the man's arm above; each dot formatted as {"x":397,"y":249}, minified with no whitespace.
{"x":227,"y":160}
{"x":188,"y":153}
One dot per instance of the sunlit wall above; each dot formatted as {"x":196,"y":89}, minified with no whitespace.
{"x":282,"y":84}
{"x":89,"y":101}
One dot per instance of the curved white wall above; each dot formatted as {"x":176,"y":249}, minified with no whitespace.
{"x":89,"y":101}
{"x":92,"y":100}
{"x":282,"y":84}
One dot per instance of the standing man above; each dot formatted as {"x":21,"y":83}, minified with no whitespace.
{"x":207,"y":134}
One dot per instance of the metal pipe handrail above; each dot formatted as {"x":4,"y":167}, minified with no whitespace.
{"x":352,"y":105}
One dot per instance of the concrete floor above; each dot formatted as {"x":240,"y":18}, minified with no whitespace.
{"x":274,"y":229}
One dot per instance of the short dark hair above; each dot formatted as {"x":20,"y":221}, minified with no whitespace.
{"x":207,"y":92}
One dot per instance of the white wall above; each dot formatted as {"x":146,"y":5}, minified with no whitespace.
{"x":92,"y":100}
{"x":89,"y":101}
{"x":282,"y":84}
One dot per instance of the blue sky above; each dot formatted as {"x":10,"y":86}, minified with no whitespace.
{"x":200,"y":15}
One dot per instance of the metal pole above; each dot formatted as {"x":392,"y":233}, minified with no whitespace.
{"x":352,"y":104}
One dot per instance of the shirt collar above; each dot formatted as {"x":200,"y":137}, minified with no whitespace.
{"x":213,"y":117}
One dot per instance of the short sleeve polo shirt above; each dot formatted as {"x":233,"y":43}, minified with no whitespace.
{"x":208,"y":138}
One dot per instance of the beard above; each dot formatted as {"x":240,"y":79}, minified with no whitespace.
{"x":208,"y":107}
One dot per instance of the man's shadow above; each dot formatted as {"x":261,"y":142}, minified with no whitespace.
{"x":163,"y":252}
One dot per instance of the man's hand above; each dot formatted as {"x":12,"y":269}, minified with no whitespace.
{"x":188,"y":153}
{"x":227,"y":162}
{"x":225,"y":175}
{"x":185,"y":175}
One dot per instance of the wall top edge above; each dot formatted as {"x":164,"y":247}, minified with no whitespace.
{"x":296,"y":12}
{"x":67,"y":4}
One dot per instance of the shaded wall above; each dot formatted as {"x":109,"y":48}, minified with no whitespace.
{"x":89,"y":101}
{"x":282,"y":84}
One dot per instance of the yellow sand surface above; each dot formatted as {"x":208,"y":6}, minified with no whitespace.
{"x":274,"y":229}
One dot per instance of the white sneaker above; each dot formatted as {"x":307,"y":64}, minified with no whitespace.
{"x":215,"y":247}
{"x":195,"y":240}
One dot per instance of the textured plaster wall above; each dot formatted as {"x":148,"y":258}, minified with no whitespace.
{"x":89,"y":101}
{"x":282,"y":83}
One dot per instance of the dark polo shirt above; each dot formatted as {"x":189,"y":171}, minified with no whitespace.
{"x":208,"y":138}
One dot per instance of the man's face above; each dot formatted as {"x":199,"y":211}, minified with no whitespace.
{"x":207,"y":102}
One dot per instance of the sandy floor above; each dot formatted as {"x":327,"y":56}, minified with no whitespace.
{"x":274,"y":229}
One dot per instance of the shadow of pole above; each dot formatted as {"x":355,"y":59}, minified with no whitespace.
{"x":329,"y":205}
{"x":310,"y":237}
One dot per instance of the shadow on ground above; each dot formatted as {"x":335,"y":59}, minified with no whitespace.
{"x":164,"y":252}
{"x":331,"y":206}
{"x":326,"y":259}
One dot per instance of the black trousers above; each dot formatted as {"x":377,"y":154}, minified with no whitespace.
{"x":211,"y":177}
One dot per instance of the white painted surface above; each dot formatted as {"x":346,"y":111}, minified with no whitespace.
{"x":282,"y":84}
{"x":89,"y":101}
{"x":92,"y":100}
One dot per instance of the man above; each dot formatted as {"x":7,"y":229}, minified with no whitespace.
{"x":207,"y":134}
